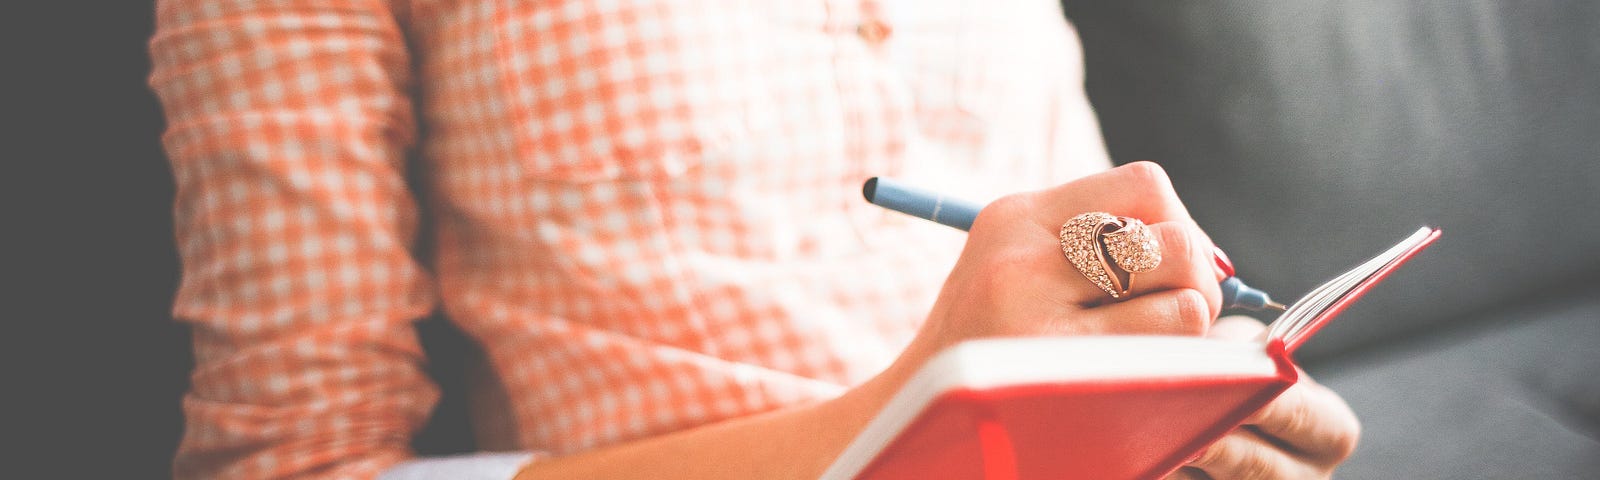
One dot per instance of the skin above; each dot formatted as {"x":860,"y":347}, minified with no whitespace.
{"x":1305,"y":433}
{"x":1011,"y":280}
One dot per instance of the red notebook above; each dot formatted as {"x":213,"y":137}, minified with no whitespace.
{"x":1106,"y":407}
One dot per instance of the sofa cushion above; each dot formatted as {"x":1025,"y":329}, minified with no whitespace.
{"x":1509,"y":399}
{"x":1308,"y":135}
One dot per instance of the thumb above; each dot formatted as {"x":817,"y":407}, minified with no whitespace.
{"x":1236,"y":327}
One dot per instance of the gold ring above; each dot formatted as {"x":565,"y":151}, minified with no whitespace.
{"x":1109,"y":250}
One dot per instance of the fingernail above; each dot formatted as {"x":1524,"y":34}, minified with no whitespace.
{"x":1224,"y":265}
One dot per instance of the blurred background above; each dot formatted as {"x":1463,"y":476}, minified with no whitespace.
{"x":1304,"y":135}
{"x":91,"y":267}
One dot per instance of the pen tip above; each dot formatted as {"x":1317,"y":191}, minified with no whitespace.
{"x":870,"y":189}
{"x":1277,"y":306}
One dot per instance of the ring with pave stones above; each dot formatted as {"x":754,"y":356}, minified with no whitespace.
{"x":1109,"y":250}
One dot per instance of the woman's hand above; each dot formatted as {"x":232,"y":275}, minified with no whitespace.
{"x":1305,"y":433}
{"x":1013,"y":280}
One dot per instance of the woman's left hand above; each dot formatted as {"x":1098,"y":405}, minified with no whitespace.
{"x":1305,"y":433}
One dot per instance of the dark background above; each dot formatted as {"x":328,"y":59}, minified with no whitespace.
{"x":92,"y":264}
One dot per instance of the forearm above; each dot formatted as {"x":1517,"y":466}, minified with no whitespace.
{"x":795,"y":442}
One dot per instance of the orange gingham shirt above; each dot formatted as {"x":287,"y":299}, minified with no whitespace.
{"x":647,"y":212}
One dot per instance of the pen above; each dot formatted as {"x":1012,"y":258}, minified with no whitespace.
{"x":959,"y":213}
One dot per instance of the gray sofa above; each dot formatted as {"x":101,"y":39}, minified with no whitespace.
{"x":1307,"y":135}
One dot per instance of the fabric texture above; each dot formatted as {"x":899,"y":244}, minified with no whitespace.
{"x":647,"y":212}
{"x":1307,"y":135}
{"x":481,"y":466}
{"x":1512,"y":395}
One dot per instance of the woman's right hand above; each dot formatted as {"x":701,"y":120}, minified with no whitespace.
{"x":1013,"y":280}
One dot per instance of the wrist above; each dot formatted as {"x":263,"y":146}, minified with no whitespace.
{"x":797,"y":442}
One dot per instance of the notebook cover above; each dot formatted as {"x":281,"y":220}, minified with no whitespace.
{"x":1092,"y":430}
{"x":1089,"y":430}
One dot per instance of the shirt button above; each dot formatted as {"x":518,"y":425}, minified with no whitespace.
{"x":874,"y":31}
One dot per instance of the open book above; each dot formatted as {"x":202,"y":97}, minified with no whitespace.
{"x":1107,"y":407}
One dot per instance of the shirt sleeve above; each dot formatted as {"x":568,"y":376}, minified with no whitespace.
{"x":288,"y":123}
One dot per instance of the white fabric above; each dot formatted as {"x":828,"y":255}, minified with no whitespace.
{"x":477,"y":466}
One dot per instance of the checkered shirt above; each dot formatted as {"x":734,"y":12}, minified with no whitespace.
{"x":646,"y":212}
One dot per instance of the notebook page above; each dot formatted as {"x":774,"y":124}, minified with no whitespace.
{"x":1303,"y":312}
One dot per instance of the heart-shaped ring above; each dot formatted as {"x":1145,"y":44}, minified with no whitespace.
{"x":1109,"y":250}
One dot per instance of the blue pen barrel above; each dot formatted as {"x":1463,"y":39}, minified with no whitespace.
{"x":924,"y":204}
{"x":1235,"y":294}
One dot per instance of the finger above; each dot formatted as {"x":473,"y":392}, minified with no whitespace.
{"x":1140,"y":189}
{"x":1236,"y":327}
{"x":1243,"y":455}
{"x":1170,"y":312}
{"x":1186,"y":262}
{"x":1312,"y":420}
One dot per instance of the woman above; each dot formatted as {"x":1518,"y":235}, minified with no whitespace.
{"x":646,"y":213}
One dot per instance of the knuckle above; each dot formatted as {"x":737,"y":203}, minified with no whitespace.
{"x":1188,"y":256}
{"x":1008,"y":206}
{"x":1148,"y":174}
{"x":1299,"y":416}
{"x":1192,"y":312}
{"x":1180,"y":241}
{"x":1197,"y":259}
{"x":1254,"y":466}
{"x":1003,"y":211}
